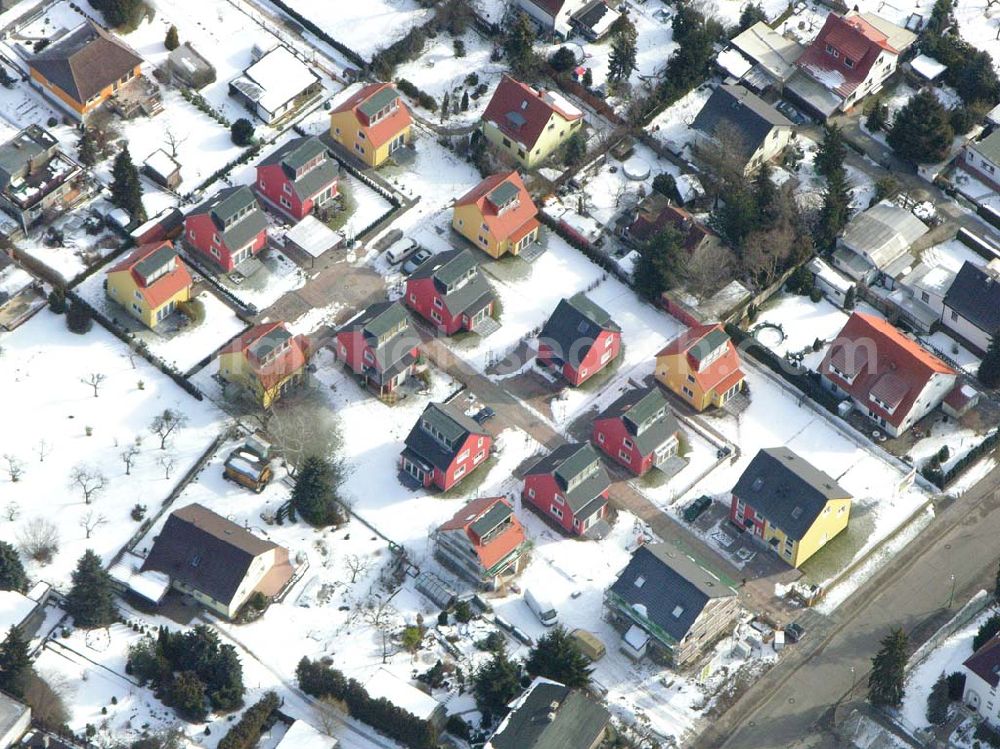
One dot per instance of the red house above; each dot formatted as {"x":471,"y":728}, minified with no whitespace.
{"x":298,"y":177}
{"x":228,"y":228}
{"x":569,"y":487}
{"x":449,"y":292}
{"x":578,"y":340}
{"x":638,"y":430}
{"x":380,"y":346}
{"x":444,"y":447}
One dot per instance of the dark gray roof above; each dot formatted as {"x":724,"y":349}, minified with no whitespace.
{"x":224,"y":205}
{"x":491,"y":519}
{"x":85,"y":61}
{"x":576,"y":721}
{"x":574,"y":325}
{"x":566,"y":463}
{"x":295,"y":154}
{"x":22,"y":149}
{"x":378,"y":101}
{"x":154,"y":261}
{"x":788,"y":491}
{"x":205,"y":551}
{"x":673,"y":590}
{"x":458,"y":269}
{"x":378,"y":320}
{"x":975,"y":295}
{"x":750,"y":115}
{"x":452,"y":428}
{"x":646,"y":416}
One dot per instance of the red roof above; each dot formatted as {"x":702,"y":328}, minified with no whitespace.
{"x":162,"y":288}
{"x":718,"y":375}
{"x":385,"y":129}
{"x":271,"y":370}
{"x":496,"y":547}
{"x":515,"y":222}
{"x":853,"y":38}
{"x":522,"y":112}
{"x":882,"y":362}
{"x":655,"y":214}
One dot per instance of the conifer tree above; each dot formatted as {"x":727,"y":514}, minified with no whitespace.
{"x":832,"y":152}
{"x":12,"y":576}
{"x":87,"y":149}
{"x":557,"y":656}
{"x":885,"y":684}
{"x":834,"y":213}
{"x":126,"y":189}
{"x":937,"y":702}
{"x":15,"y":663}
{"x":621,"y":61}
{"x":989,"y":370}
{"x":90,"y":600}
{"x":496,"y":683}
{"x":315,"y":494}
{"x":172,"y":40}
{"x":921,"y":131}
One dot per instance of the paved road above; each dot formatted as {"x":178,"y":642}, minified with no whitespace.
{"x":787,"y":708}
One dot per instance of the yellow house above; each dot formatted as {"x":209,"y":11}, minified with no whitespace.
{"x":701,"y":366}
{"x":789,"y":505}
{"x":84,"y":68}
{"x":150,"y":282}
{"x":528,"y":123}
{"x":372,"y":123}
{"x":497,"y":215}
{"x":266,"y":361}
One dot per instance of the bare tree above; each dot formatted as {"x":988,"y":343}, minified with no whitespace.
{"x":167,"y":462}
{"x":357,"y":565}
{"x":173,"y":142}
{"x":381,"y":615}
{"x":128,"y":456}
{"x":39,"y":540}
{"x":709,"y":266}
{"x":90,"y":522}
{"x":42,"y":449}
{"x":300,"y":427}
{"x":166,"y":423}
{"x":12,"y":511}
{"x":724,"y":157}
{"x":90,"y":481}
{"x":15,"y":467}
{"x":94,"y":380}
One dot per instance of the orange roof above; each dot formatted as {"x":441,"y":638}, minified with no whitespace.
{"x":718,"y":375}
{"x":385,"y":129}
{"x":262,"y":346}
{"x":884,"y":363}
{"x":503,"y":224}
{"x":496,"y":547}
{"x":162,"y":288}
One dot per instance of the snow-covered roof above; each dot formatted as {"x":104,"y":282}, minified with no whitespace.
{"x":275,"y":79}
{"x":386,"y":684}
{"x":829,"y":276}
{"x":734,"y":63}
{"x":15,"y":608}
{"x":13,"y":280}
{"x":151,"y":585}
{"x":313,"y":237}
{"x":927,"y":67}
{"x":301,"y":735}
{"x":162,"y":163}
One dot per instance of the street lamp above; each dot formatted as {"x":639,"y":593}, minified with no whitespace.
{"x":853,"y":681}
{"x":951,"y":598}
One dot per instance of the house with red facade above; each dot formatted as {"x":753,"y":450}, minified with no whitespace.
{"x":638,"y":430}
{"x":444,"y":447}
{"x":450,"y":293}
{"x":484,"y":542}
{"x":228,"y":228}
{"x":578,"y":340}
{"x":379,"y":346}
{"x":298,"y":177}
{"x":569,"y":487}
{"x":890,"y":378}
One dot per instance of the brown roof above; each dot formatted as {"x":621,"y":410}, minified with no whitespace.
{"x":985,"y":662}
{"x":656,"y":213}
{"x":85,"y":61}
{"x":204,"y":551}
{"x":522,"y":112}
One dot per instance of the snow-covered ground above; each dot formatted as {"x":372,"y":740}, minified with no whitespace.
{"x":44,"y":372}
{"x":672,"y":127}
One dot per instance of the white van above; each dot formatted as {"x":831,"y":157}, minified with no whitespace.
{"x":544,"y":610}
{"x":400,"y":250}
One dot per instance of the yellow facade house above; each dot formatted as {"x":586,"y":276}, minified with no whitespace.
{"x":497,"y":215}
{"x":789,"y":505}
{"x":372,"y":123}
{"x":701,"y":366}
{"x":265,"y":362}
{"x":150,"y":282}
{"x":529,"y":124}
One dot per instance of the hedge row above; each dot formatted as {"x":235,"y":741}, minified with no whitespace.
{"x":320,"y":680}
{"x":316,"y":31}
{"x":223,"y":171}
{"x":246,"y":733}
{"x":423,"y":98}
{"x":942,"y":479}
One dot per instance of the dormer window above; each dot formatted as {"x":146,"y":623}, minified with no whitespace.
{"x":849,"y":62}
{"x":831,"y":50}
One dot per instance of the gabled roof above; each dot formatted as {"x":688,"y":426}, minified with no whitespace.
{"x":883,"y":233}
{"x":750,"y":116}
{"x":271,"y":351}
{"x":147,"y":262}
{"x":975,"y":295}
{"x":376,"y":321}
{"x":504,"y":203}
{"x":989,"y":147}
{"x":522,"y":112}
{"x":646,"y":416}
{"x":367,"y":102}
{"x":225,"y":204}
{"x":569,"y":462}
{"x":85,"y":61}
{"x":656,"y":213}
{"x":440,"y":434}
{"x":700,"y":343}
{"x":295,"y":154}
{"x":786,"y":490}
{"x":204,"y":551}
{"x":884,"y":363}
{"x":574,"y":326}
{"x":552,"y":7}
{"x":551,"y":716}
{"x":775,"y":53}
{"x":491,"y":526}
{"x":853,"y":38}
{"x":668,"y":588}
{"x":458,"y":270}
{"x":985,"y":662}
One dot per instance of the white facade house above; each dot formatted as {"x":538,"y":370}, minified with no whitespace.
{"x":876,"y":242}
{"x":981,"y":159}
{"x":272,"y":85}
{"x":15,"y":718}
{"x":552,"y":15}
{"x":971,"y":308}
{"x":982,"y":675}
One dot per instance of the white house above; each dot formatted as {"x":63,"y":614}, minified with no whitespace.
{"x":982,"y":674}
{"x":971,"y":308}
{"x":876,"y":242}
{"x":15,"y":718}
{"x":981,"y":159}
{"x":272,"y":85}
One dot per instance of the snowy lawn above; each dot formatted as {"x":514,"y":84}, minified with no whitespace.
{"x":43,"y":372}
{"x":279,"y":276}
{"x":672,"y":127}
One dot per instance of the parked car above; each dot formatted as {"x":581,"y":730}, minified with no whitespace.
{"x":794,"y":632}
{"x":417,"y":259}
{"x":791,"y":113}
{"x":400,"y":250}
{"x":483,"y":415}
{"x":693,"y":511}
{"x":541,"y":608}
